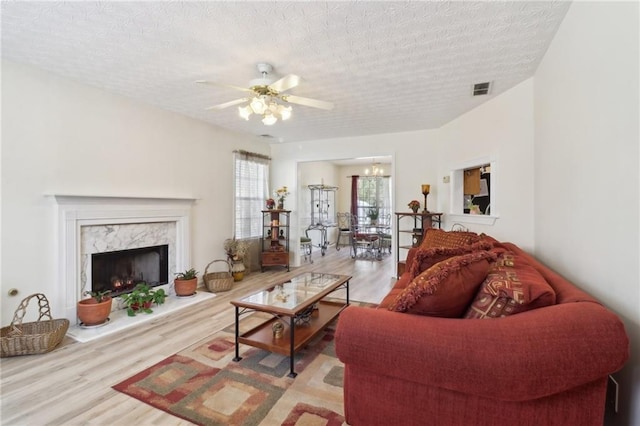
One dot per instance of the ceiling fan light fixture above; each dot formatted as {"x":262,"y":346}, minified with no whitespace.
{"x":258,"y":105}
{"x":245,"y":112}
{"x":284,"y":111}
{"x":269,"y":119}
{"x":265,"y":97}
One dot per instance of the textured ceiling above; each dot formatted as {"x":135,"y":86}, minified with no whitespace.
{"x":387,"y":66}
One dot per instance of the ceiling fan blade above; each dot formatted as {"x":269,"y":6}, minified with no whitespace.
{"x":307,"y":102}
{"x":285,"y":83}
{"x":213,"y":83}
{"x":227,"y":104}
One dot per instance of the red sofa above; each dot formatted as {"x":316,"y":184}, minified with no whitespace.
{"x":546,"y":366}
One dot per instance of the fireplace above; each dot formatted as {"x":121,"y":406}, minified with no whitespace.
{"x":90,"y":225}
{"x":119,"y":271}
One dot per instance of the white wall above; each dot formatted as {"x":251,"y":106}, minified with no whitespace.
{"x":586,"y":166}
{"x":502,"y":130}
{"x":61,"y":137}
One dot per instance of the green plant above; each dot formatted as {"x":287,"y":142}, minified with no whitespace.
{"x":373,"y":213}
{"x":189,"y":274}
{"x":141,"y":298}
{"x":159,"y":296}
{"x":100,"y":296}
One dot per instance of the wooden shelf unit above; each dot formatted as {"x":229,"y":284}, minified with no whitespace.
{"x":420,"y":222}
{"x":275,"y":238}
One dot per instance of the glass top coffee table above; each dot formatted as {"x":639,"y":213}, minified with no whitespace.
{"x":299,"y":311}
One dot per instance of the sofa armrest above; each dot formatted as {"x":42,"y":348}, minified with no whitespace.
{"x":521,"y":357}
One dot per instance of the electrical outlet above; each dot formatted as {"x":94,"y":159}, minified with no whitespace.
{"x":446,"y":179}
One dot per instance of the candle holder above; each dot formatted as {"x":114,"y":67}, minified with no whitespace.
{"x":425,"y":192}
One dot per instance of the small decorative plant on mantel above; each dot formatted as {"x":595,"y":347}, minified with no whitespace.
{"x":186,"y":282}
{"x":96,"y":309}
{"x":142,"y":298}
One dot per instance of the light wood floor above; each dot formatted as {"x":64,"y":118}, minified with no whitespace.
{"x":72,"y":385}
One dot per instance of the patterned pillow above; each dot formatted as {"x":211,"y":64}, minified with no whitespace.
{"x":512,"y":286}
{"x":451,"y":239}
{"x":447,"y":288}
{"x":427,"y":257}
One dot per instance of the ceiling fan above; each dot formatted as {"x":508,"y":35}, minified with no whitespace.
{"x":264,"y":94}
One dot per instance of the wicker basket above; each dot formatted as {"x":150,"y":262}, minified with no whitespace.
{"x":218,"y":281}
{"x":32,"y":337}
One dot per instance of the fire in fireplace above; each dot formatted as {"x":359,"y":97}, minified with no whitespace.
{"x":120,"y":271}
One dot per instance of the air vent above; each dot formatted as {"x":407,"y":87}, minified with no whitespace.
{"x":481,"y":88}
{"x":267,"y":136}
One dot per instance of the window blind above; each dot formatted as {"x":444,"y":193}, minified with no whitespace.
{"x":251,"y":190}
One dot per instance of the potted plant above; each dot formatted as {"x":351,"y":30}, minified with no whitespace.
{"x":142,"y":298}
{"x":271,"y":203}
{"x":96,"y":309}
{"x":236,"y":251}
{"x":414,"y":205}
{"x":186,"y":282}
{"x":373,"y":214}
{"x":281,"y":194}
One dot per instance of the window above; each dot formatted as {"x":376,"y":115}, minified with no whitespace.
{"x":477,"y":190}
{"x":474,"y":192}
{"x":251,"y":190}
{"x":373,"y":196}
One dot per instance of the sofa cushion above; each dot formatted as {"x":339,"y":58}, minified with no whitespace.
{"x":511,"y":286}
{"x":447,"y":288}
{"x":400,"y":285}
{"x":451,"y":239}
{"x":389,"y":298}
{"x":425,"y":258}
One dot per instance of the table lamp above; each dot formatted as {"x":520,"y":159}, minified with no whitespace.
{"x":425,"y":192}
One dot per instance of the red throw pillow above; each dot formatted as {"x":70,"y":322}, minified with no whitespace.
{"x":427,"y":257}
{"x":447,"y":288}
{"x":451,"y":239}
{"x":512,"y":286}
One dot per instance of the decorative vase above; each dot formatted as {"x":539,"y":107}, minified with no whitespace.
{"x":278,"y":329}
{"x":280,"y":204}
{"x":415,"y":209}
{"x":237,"y":270}
{"x":90,"y":312}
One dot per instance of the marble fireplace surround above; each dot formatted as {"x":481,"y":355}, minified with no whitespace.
{"x":83,"y":219}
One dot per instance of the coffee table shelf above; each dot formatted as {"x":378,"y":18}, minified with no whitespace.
{"x":262,"y":335}
{"x":287,"y":301}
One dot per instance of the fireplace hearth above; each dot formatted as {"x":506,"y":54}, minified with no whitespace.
{"x":121,"y":270}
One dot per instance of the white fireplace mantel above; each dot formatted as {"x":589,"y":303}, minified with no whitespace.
{"x":76,"y":211}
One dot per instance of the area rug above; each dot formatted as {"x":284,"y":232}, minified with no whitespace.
{"x":202,"y":384}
